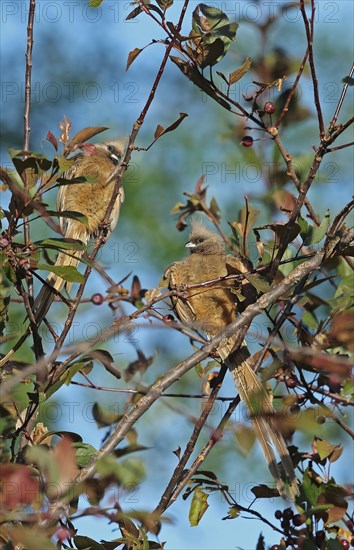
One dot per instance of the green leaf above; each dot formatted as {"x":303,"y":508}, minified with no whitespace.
{"x":234,"y":512}
{"x":214,"y":208}
{"x":127,"y":472}
{"x":61,"y":244}
{"x":212,"y":34}
{"x":313,"y":234}
{"x":104,"y":418}
{"x":68,"y":273}
{"x":138,"y":10}
{"x":326,"y":450}
{"x":134,"y":13}
{"x":260,"y":543}
{"x":263,"y":491}
{"x":165,"y":4}
{"x":258,"y":282}
{"x":199,"y":505}
{"x":29,"y":538}
{"x":86,"y":543}
{"x":83,"y":452}
{"x":64,"y":163}
{"x":198,"y":79}
{"x":69,"y":214}
{"x":311,"y":488}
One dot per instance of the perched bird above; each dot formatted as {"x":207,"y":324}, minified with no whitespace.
{"x":211,"y":308}
{"x":98,"y":163}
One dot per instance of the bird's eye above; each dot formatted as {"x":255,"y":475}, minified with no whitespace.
{"x":113,"y":154}
{"x":200,"y":240}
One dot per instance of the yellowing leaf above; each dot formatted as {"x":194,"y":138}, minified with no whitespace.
{"x":159,"y":131}
{"x":199,"y":505}
{"x":240,"y":72}
{"x":132,"y":56}
{"x":85,"y":134}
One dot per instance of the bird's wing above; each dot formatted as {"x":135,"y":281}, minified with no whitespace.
{"x":176,"y":280}
{"x":61,"y":195}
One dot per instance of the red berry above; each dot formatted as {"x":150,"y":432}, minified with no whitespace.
{"x":168,"y":318}
{"x":278,"y":514}
{"x":269,"y":107}
{"x":97,"y":299}
{"x":247,"y":141}
{"x":345,"y":543}
{"x":275,"y":547}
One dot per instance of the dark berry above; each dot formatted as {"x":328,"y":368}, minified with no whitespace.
{"x":320,"y":537}
{"x":247,"y":141}
{"x":299,"y":519}
{"x":97,"y":299}
{"x":288,"y":514}
{"x":345,"y":543}
{"x":269,"y":107}
{"x":278,"y":514}
{"x":295,"y":409}
{"x":275,"y":547}
{"x":321,"y":419}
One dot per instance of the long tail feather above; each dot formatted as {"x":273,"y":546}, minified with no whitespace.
{"x":47,"y":293}
{"x":261,"y":412}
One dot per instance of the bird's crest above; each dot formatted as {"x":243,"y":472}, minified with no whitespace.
{"x":198,"y":229}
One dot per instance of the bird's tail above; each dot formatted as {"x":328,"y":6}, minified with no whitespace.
{"x":260,"y":409}
{"x":54,"y":283}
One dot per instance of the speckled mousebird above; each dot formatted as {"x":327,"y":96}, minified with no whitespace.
{"x":211,"y":308}
{"x":97,"y":162}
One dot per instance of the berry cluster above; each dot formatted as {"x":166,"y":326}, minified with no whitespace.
{"x":289,"y":521}
{"x":269,"y":109}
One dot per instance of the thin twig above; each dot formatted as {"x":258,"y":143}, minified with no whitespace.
{"x":28,"y":75}
{"x":27,"y":128}
{"x":293,"y":90}
{"x":309,"y":28}
{"x":341,"y":100}
{"x":340,"y":147}
{"x":178,"y":473}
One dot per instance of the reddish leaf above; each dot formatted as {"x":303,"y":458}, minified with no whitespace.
{"x":53,"y":140}
{"x":18,"y":486}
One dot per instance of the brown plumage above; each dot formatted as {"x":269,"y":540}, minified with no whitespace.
{"x":211,"y":309}
{"x":99,"y":163}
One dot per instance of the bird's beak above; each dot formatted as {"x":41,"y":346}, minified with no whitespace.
{"x":189,"y":244}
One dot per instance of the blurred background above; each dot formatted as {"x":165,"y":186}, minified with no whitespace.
{"x":79,"y":61}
